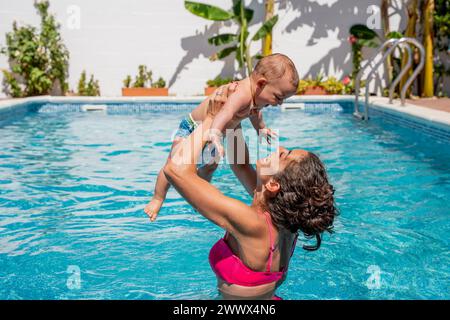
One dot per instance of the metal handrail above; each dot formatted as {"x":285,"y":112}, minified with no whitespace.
{"x":416,"y":71}
{"x":402,"y":73}
{"x":374,"y":70}
{"x":393,"y":43}
{"x":361,"y":72}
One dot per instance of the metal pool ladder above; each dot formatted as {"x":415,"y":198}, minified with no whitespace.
{"x":391,"y":44}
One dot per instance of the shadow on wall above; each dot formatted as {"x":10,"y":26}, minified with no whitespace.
{"x":197,"y":45}
{"x":339,"y":16}
{"x":324,"y":18}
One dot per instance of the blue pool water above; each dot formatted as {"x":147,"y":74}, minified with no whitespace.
{"x":73,"y":186}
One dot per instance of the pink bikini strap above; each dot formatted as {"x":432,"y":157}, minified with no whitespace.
{"x":272,"y":246}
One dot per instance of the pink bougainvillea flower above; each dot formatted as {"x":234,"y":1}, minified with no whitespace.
{"x":352,"y":39}
{"x":346,"y":81}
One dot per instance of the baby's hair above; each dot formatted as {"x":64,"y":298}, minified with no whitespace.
{"x":275,"y":66}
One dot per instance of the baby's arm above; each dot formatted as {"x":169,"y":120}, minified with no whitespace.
{"x":257,"y":121}
{"x":239,"y":160}
{"x":260,"y":127}
{"x":235,"y":103}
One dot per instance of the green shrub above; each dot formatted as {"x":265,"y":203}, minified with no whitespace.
{"x":38,"y":60}
{"x":361,"y":36}
{"x":310,"y":82}
{"x":218,"y":81}
{"x":144,"y":79}
{"x":127,"y":81}
{"x":159,"y":84}
{"x":92,"y":88}
{"x":333,"y":86}
{"x":14,"y":88}
{"x":302,"y":86}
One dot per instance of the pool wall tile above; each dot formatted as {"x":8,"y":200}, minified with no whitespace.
{"x":328,"y":104}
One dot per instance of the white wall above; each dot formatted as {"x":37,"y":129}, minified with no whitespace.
{"x":116,"y":36}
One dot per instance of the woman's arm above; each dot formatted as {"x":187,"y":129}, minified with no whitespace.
{"x":228,"y":213}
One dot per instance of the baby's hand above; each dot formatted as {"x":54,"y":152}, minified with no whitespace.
{"x":268,"y":134}
{"x":215,"y":138}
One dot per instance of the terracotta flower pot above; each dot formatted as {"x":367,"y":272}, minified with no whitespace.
{"x":315,"y":91}
{"x":147,"y":92}
{"x":209,"y":90}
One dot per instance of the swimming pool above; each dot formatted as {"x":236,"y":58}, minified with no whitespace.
{"x":73,"y":186}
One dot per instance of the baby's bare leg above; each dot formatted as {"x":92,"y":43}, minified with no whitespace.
{"x":159,"y":194}
{"x":162,"y":186}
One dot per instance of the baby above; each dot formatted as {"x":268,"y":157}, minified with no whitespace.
{"x":273,"y":79}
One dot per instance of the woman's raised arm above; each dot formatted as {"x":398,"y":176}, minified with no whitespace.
{"x":228,"y":213}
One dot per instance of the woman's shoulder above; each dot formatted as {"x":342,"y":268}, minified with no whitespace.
{"x":247,"y":222}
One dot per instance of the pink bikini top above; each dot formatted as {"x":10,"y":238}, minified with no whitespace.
{"x":231,"y":269}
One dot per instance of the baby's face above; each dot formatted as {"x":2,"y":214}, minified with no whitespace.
{"x":275,"y":92}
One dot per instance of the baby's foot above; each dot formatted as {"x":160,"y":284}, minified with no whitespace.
{"x":152,"y":208}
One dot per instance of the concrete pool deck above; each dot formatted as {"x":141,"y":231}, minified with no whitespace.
{"x":436,"y":111}
{"x":442,"y":104}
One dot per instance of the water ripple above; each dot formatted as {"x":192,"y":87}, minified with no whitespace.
{"x":73,"y":187}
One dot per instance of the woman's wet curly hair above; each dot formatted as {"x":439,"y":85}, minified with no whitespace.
{"x":305,"y":201}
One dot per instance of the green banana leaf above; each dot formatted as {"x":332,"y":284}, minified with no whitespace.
{"x":238,"y":55}
{"x":363,"y":32}
{"x":369,"y":43}
{"x":394,"y":35}
{"x":208,"y":11}
{"x":246,"y":33}
{"x":222,"y":39}
{"x":257,"y":56}
{"x":226,"y":52}
{"x":248,"y":13}
{"x":266,"y":28}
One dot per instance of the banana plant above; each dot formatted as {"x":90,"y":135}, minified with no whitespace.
{"x":238,"y":43}
{"x":412,"y":15}
{"x":267,"y":41}
{"x":361,"y":36}
{"x":427,"y":28}
{"x":384,"y":12}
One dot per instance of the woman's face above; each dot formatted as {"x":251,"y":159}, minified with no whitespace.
{"x":267,"y":167}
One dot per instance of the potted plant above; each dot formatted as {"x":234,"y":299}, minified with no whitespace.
{"x":212,"y":85}
{"x":334,"y":86}
{"x":311,"y":86}
{"x":140,"y":85}
{"x":88,"y":88}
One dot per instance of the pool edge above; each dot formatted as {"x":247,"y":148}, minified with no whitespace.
{"x":437,"y":118}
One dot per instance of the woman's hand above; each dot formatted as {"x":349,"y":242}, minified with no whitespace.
{"x":219,"y":97}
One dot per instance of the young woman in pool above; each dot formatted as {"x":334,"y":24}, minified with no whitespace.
{"x":252,"y":259}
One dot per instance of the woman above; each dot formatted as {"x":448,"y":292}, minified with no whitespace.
{"x":252,"y":259}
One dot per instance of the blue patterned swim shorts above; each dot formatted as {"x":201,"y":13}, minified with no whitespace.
{"x":186,"y":127}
